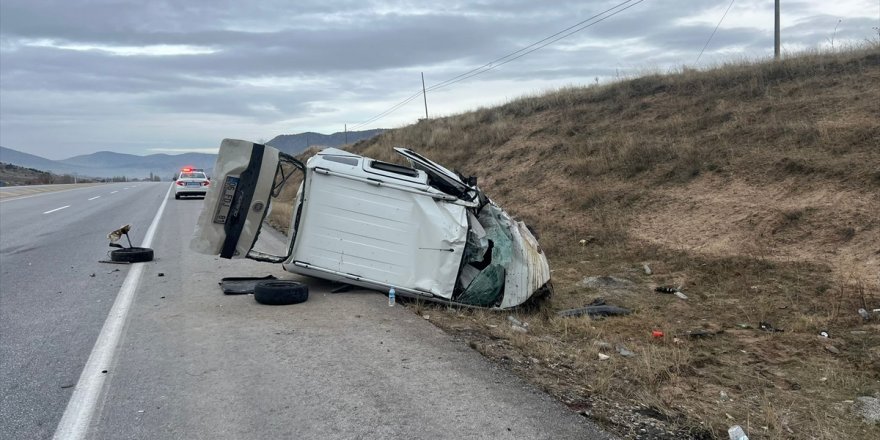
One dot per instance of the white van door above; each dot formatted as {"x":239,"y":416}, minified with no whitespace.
{"x":246,"y":177}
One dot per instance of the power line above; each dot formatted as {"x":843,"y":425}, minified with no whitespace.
{"x":713,"y":32}
{"x":498,"y":62}
{"x":490,"y":63}
{"x":439,"y":86}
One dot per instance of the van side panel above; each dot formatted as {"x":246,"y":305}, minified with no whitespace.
{"x":398,"y":238}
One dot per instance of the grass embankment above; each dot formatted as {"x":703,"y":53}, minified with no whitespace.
{"x":756,"y":187}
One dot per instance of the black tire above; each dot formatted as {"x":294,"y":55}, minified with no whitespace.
{"x":177,"y":196}
{"x":279,"y":293}
{"x":132,"y":255}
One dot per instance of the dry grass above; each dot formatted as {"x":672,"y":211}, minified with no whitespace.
{"x":754,"y":186}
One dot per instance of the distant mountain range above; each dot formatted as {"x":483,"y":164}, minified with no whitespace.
{"x":110,"y":164}
{"x":297,"y":143}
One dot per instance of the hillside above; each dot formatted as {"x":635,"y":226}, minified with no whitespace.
{"x":754,"y":187}
{"x":10,"y":156}
{"x":12,"y":175}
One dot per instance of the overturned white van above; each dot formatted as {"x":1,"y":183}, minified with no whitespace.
{"x":422,"y":230}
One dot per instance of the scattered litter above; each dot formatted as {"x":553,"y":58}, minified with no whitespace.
{"x":823,"y":379}
{"x":623,"y":351}
{"x":114,"y":270}
{"x":605,"y":282}
{"x":744,"y":326}
{"x":680,"y":295}
{"x":736,"y":433}
{"x":517,"y":325}
{"x":869,"y":408}
{"x":519,"y":329}
{"x":426,"y":316}
{"x":602,"y":345}
{"x":665,"y":289}
{"x":114,"y":262}
{"x":864,"y":314}
{"x":723,"y":396}
{"x":604,"y":357}
{"x":832,"y":349}
{"x":92,"y":275}
{"x":515,"y":321}
{"x":657,"y":334}
{"x":597,"y":307}
{"x":161,"y":274}
{"x":647,"y":269}
{"x":676,"y":340}
{"x":702,"y":333}
{"x":767,"y":327}
{"x":583,"y":242}
{"x":824,"y":334}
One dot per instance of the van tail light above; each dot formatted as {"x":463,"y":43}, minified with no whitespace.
{"x":206,"y":183}
{"x":179,"y":183}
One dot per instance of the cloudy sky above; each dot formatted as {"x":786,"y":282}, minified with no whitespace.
{"x":147,"y":76}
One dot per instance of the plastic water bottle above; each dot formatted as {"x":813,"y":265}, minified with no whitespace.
{"x":391,"y":297}
{"x":736,"y":433}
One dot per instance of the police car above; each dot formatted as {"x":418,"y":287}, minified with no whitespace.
{"x":191,"y":182}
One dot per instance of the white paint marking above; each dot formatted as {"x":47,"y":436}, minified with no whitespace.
{"x":96,"y":197}
{"x":74,"y":424}
{"x":113,"y":192}
{"x":56,"y":209}
{"x":125,"y":187}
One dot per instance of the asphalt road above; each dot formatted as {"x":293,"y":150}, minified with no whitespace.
{"x":51,"y":307}
{"x":193,"y":363}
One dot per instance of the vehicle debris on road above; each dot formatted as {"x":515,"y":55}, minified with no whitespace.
{"x":597,"y":308}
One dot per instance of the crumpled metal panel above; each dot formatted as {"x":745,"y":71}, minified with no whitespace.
{"x":528,"y":269}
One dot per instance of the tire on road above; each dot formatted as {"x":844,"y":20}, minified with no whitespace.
{"x":132,"y":255}
{"x":279,"y":292}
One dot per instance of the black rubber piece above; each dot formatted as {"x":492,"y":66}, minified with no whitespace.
{"x":132,"y":255}
{"x":242,"y":285}
{"x":279,"y":293}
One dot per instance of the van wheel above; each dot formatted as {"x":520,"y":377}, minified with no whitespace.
{"x":177,"y":196}
{"x":132,"y":255}
{"x":279,"y":293}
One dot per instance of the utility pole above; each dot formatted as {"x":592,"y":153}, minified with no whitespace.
{"x":425,"y":95}
{"x":776,"y":34}
{"x":346,"y":132}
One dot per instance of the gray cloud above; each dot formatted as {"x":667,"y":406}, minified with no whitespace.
{"x":267,"y":67}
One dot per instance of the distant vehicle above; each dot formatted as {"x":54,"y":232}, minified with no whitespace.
{"x":423,"y":230}
{"x":191,"y":182}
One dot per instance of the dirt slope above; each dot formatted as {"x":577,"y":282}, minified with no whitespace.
{"x":754,"y":187}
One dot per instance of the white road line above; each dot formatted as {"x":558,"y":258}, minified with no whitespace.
{"x":77,"y":417}
{"x":56,"y":209}
{"x":113,"y":192}
{"x":96,"y":197}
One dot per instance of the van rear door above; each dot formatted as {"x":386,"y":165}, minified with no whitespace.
{"x":246,"y":177}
